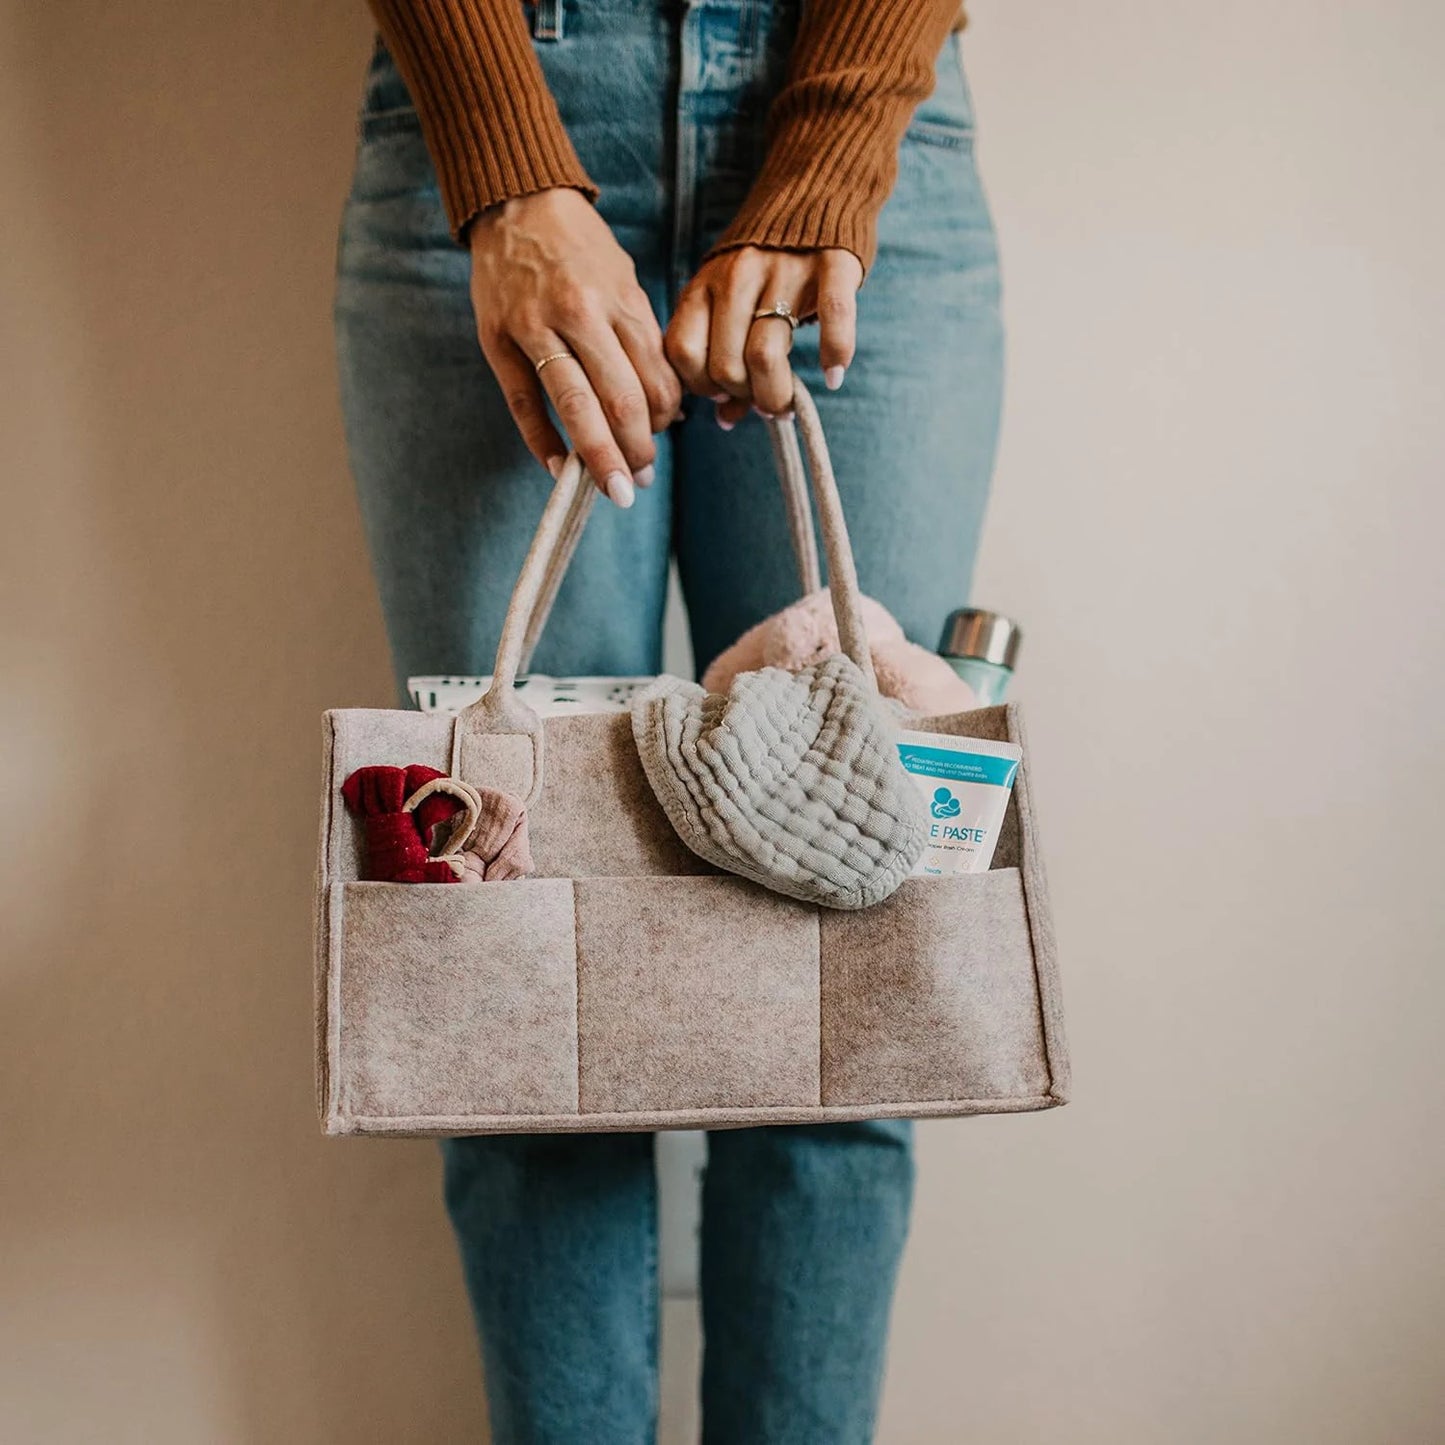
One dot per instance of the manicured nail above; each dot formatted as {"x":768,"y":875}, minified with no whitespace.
{"x":554,"y":465}
{"x":833,"y":378}
{"x":645,"y":477}
{"x":724,"y":423}
{"x":619,"y":489}
{"x":766,"y":415}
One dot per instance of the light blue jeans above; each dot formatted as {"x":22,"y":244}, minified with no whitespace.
{"x":666,"y":102}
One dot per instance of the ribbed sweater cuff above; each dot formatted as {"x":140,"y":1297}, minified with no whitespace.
{"x":815,"y":191}
{"x":490,"y":123}
{"x":858,"y":71}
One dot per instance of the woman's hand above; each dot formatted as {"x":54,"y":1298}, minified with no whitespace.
{"x":548,"y":277}
{"x":720,"y":350}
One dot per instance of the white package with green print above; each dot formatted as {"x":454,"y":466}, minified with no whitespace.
{"x":963,"y":788}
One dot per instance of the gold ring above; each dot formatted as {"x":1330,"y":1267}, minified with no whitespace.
{"x":780,"y":309}
{"x":554,"y":356}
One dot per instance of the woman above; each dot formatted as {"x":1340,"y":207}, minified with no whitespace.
{"x":548,"y":180}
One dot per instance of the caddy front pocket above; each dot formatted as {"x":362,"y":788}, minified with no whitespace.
{"x":452,"y":1001}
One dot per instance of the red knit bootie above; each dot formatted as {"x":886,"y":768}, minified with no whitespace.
{"x":395,"y":847}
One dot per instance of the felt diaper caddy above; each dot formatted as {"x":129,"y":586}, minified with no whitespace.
{"x":594,"y":971}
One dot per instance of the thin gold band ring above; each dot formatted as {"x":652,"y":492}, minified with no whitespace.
{"x":779,"y":309}
{"x":553,"y":356}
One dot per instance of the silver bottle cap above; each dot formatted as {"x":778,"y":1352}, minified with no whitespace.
{"x":987,"y":636}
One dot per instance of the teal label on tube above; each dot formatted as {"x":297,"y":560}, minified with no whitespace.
{"x":965,"y":767}
{"x":963,"y":791}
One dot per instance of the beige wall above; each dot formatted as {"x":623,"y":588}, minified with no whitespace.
{"x":1219,"y":507}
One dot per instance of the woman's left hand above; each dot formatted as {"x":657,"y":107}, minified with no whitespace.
{"x":722,"y":350}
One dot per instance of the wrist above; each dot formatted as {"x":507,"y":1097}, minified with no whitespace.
{"x":554,"y":201}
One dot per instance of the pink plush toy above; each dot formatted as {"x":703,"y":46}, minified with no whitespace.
{"x":807,"y":632}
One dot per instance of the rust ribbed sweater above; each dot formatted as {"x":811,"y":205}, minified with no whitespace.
{"x":858,"y":70}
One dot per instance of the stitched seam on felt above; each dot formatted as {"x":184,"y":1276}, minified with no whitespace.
{"x":1022,"y":802}
{"x":577,"y":985}
{"x":336,"y":928}
{"x":818,"y":973}
{"x":652,"y":1119}
{"x":1027,"y":874}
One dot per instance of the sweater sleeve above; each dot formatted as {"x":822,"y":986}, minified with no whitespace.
{"x":490,"y":122}
{"x":858,"y":70}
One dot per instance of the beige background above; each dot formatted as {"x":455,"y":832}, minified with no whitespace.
{"x":1219,"y":513}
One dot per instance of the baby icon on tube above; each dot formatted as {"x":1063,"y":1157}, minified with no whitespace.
{"x":944,"y":804}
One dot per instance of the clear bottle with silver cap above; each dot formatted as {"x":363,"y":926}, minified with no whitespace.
{"x":982,"y":648}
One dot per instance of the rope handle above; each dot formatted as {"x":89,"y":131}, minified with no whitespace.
{"x":500,"y":709}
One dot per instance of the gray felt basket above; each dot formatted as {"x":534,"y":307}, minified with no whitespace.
{"x":629,"y":985}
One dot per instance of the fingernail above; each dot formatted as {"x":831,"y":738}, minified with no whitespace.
{"x":720,"y":396}
{"x":766,"y":415}
{"x":619,"y":491}
{"x":554,"y":465}
{"x":724,"y":423}
{"x":644,"y":478}
{"x":833,"y":378}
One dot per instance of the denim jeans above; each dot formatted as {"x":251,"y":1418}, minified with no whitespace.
{"x":666,"y":102}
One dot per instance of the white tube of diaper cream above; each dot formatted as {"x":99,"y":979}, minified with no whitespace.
{"x":963,"y":791}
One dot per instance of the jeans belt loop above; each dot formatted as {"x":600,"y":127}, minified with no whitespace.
{"x":547,"y":22}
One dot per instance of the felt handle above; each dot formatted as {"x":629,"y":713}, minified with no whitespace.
{"x":842,"y":573}
{"x":561,"y":559}
{"x":799,"y":507}
{"x":547,"y":560}
{"x":500,"y":709}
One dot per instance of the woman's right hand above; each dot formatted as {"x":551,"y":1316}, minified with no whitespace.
{"x":548,"y":276}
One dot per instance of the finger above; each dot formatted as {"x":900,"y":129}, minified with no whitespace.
{"x":730,"y":412}
{"x":580,"y":413}
{"x":734,"y":299}
{"x":642,"y":341}
{"x":839,"y":275}
{"x":686,"y":342}
{"x":770,"y":340}
{"x":619,"y":390}
{"x":522,"y":391}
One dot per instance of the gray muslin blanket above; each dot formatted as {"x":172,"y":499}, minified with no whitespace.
{"x":791,"y":779}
